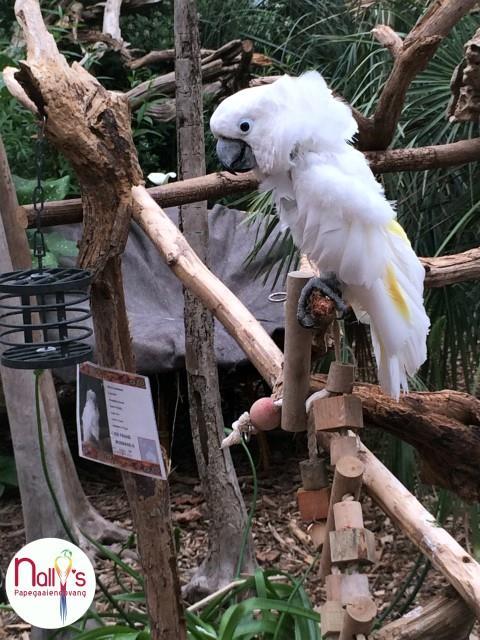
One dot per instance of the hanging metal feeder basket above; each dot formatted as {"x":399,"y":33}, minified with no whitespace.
{"x":41,"y":318}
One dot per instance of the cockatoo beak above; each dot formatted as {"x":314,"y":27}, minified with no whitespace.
{"x":235,"y":155}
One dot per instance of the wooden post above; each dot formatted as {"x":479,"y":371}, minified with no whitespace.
{"x":347,"y":480}
{"x":359,"y":617}
{"x":298,"y":347}
{"x":215,"y":467}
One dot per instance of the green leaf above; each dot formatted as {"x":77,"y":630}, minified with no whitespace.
{"x":236,"y":613}
{"x":60,"y":246}
{"x":54,"y":189}
{"x":116,"y":632}
{"x":8,"y":471}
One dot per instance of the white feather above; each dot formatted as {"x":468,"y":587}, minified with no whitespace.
{"x":337,"y":212}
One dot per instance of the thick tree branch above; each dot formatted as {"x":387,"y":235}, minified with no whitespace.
{"x":418,"y":48}
{"x":111,"y":19}
{"x":443,"y":618}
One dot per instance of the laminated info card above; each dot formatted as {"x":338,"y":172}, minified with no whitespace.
{"x":116,"y":421}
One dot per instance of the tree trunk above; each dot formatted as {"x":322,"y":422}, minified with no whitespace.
{"x":91,"y":127}
{"x":215,"y":467}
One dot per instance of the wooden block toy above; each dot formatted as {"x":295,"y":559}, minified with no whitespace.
{"x":342,"y":446}
{"x":314,"y":474}
{"x":353,"y":585}
{"x":346,"y":587}
{"x":333,"y":587}
{"x":340,"y":378}
{"x":358,"y":618}
{"x":338,"y":412}
{"x":331,"y":614}
{"x":348,"y":515}
{"x":317,"y":532}
{"x":352,"y":545}
{"x":313,"y":505}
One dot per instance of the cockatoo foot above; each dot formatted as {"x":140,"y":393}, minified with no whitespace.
{"x":327,"y":285}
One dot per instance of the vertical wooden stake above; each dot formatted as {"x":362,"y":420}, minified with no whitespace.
{"x":298,"y":347}
{"x":347,"y":479}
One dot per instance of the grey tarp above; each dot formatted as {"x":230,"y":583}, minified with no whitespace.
{"x":155,"y":300}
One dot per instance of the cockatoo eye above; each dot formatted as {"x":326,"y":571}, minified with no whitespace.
{"x":245,"y":125}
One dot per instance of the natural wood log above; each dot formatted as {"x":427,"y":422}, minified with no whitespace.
{"x":165,"y":84}
{"x":238,"y":321}
{"x":313,"y":504}
{"x":297,"y":357}
{"x":465,"y":85}
{"x":347,"y":479}
{"x":342,"y":446}
{"x":111,"y":19}
{"x":444,"y":427}
{"x":387,"y":37}
{"x":332,"y":615}
{"x":347,"y":514}
{"x":215,"y":467}
{"x":91,"y":127}
{"x":338,"y":412}
{"x":352,"y":545}
{"x":165,"y":55}
{"x":443,"y":618}
{"x":417,"y":49}
{"x":446,"y":270}
{"x":340,"y":378}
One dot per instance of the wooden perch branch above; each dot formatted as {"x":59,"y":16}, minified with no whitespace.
{"x":444,"y":618}
{"x":417,"y":49}
{"x":217,"y":185}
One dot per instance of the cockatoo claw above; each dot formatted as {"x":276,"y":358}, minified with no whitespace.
{"x":329,"y":286}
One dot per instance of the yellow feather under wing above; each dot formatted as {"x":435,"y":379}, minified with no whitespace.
{"x":396,"y":228}
{"x":396,"y":293}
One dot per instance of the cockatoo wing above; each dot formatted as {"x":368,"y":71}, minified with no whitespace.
{"x":341,"y":216}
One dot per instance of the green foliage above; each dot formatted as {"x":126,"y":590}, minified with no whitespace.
{"x":8,"y":473}
{"x":54,"y":189}
{"x":266,"y":606}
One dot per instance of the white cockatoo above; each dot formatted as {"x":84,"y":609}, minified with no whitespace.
{"x":91,"y":418}
{"x":296,"y":135}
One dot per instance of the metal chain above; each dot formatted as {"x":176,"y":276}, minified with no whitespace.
{"x":39,"y":248}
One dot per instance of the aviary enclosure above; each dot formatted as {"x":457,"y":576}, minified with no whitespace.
{"x":331,"y":508}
